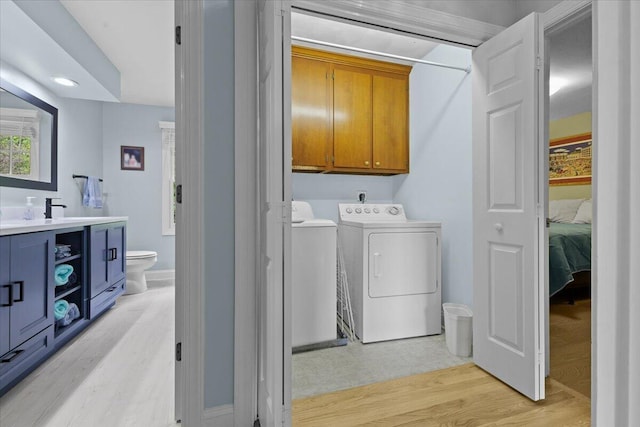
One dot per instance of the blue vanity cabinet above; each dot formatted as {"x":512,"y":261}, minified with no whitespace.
{"x":107,"y":246}
{"x":27,"y":303}
{"x":5,"y":294}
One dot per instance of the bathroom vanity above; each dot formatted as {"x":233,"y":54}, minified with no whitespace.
{"x":92,"y":248}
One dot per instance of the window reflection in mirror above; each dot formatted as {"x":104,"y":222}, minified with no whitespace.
{"x":28,"y":140}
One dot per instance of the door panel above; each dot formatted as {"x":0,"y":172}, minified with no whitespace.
{"x":311,"y":113}
{"x":116,"y":239}
{"x":98,"y":259}
{"x":402,"y":264}
{"x":390,"y":122}
{"x":508,"y":325}
{"x":5,"y":294}
{"x":32,"y":277}
{"x":352,"y":131}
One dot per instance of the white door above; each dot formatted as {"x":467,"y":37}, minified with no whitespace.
{"x":508,"y":227}
{"x":274,"y":345}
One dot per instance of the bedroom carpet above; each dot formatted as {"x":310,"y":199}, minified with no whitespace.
{"x":570,"y":330}
{"x":463,"y":395}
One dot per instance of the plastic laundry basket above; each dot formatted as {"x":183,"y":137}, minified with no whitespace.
{"x":458,"y":328}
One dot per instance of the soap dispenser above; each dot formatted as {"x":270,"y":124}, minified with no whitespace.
{"x":28,"y":210}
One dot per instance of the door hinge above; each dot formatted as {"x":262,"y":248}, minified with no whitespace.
{"x":178,"y":35}
{"x":256,"y":423}
{"x":179,"y":194}
{"x":179,"y":352}
{"x":538,"y":63}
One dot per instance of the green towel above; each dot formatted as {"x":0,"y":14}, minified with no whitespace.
{"x":60,"y":309}
{"x":62,"y":273}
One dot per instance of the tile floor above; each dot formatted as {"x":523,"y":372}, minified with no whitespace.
{"x":323,"y":371}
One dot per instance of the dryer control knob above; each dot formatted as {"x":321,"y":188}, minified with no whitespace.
{"x":358,"y":210}
{"x":393,"y":210}
{"x":349,"y":210}
{"x":376,"y":210}
{"x":367,"y":210}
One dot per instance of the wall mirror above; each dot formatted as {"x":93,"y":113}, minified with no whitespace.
{"x":28,"y":140}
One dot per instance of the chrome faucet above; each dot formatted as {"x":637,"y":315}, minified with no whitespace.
{"x":48,"y":205}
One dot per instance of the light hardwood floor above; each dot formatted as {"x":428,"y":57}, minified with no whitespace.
{"x":118,"y":372}
{"x":570,"y":337}
{"x":462,"y":395}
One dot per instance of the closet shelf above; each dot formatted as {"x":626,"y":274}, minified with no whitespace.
{"x":66,"y":292}
{"x":67,"y":259}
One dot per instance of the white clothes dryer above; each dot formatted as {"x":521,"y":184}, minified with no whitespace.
{"x":393,"y":270}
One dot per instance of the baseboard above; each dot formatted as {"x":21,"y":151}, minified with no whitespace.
{"x":220,"y":416}
{"x":157,"y":278}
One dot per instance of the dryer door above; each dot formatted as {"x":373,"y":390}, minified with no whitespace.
{"x":402,"y":263}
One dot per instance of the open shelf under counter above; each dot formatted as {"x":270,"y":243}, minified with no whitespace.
{"x":67,"y":259}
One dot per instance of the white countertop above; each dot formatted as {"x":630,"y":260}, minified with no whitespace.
{"x":10,"y":227}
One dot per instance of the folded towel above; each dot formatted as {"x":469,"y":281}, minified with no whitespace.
{"x":60,"y":309}
{"x":92,"y":194}
{"x":62,"y":273}
{"x":72,"y":314}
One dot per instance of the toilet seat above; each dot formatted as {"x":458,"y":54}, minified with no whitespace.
{"x":141,"y":254}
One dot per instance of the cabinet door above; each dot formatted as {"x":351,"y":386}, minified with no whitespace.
{"x":391,"y":122}
{"x":116,"y":238}
{"x":5,"y":294}
{"x":98,"y":260}
{"x":32,"y":265}
{"x":352,"y":117}
{"x":311,"y":125}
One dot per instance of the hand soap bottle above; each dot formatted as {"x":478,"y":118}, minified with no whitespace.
{"x":28,"y":210}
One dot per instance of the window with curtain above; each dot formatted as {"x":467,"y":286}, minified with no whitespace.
{"x":19,"y":143}
{"x":168,"y":178}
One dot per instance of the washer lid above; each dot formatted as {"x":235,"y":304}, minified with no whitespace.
{"x":314,"y":223}
{"x":141,"y":254}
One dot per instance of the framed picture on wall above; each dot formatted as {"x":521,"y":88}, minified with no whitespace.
{"x":570,"y":160}
{"x":131,"y":158}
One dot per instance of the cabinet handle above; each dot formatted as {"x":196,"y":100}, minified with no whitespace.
{"x":366,"y":162}
{"x":10,"y":287}
{"x":377,"y":163}
{"x":21,"y":283}
{"x":10,"y":358}
{"x":113,"y":254}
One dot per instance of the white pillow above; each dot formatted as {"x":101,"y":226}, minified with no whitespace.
{"x":584,"y":214}
{"x":564,"y":210}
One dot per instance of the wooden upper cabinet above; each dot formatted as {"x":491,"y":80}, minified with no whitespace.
{"x":349,"y":114}
{"x":311,"y":110}
{"x":352,"y":117}
{"x":390,"y":122}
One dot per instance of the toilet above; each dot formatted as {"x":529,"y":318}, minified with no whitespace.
{"x":137,"y":263}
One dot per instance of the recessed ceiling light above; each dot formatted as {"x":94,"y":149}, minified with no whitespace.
{"x":65,"y":81}
{"x":556,"y":83}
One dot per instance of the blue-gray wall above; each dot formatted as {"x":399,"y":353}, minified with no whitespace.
{"x":219,"y":200}
{"x":137,"y":194}
{"x":439,"y":185}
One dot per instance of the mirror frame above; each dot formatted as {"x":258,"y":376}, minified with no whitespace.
{"x":6,"y":181}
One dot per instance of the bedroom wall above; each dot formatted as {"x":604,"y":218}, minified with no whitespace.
{"x":439,"y":185}
{"x":568,"y":126}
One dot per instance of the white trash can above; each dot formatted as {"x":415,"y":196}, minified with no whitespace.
{"x":458,"y":328}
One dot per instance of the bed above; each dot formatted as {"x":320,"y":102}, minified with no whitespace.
{"x":569,"y":253}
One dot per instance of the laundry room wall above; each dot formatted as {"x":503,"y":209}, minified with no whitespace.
{"x":324,"y":192}
{"x":439,"y":185}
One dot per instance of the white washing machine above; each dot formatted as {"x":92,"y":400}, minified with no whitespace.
{"x":393,"y":270}
{"x":313,"y":281}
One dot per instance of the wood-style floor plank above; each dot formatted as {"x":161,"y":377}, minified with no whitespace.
{"x":463,"y":395}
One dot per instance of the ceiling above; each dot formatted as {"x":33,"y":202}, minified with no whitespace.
{"x":137,"y":37}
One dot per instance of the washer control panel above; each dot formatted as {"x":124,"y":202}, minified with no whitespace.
{"x":371,"y":212}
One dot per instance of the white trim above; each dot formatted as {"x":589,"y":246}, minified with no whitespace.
{"x":409,"y":17}
{"x":246,"y":208}
{"x":616,"y":187}
{"x":571,"y":9}
{"x":167,"y":125}
{"x":160,"y":277}
{"x":190,"y":221}
{"x":168,"y":147}
{"x":220,"y":416}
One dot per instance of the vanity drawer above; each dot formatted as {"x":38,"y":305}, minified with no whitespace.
{"x":21,"y":360}
{"x":105,"y":299}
